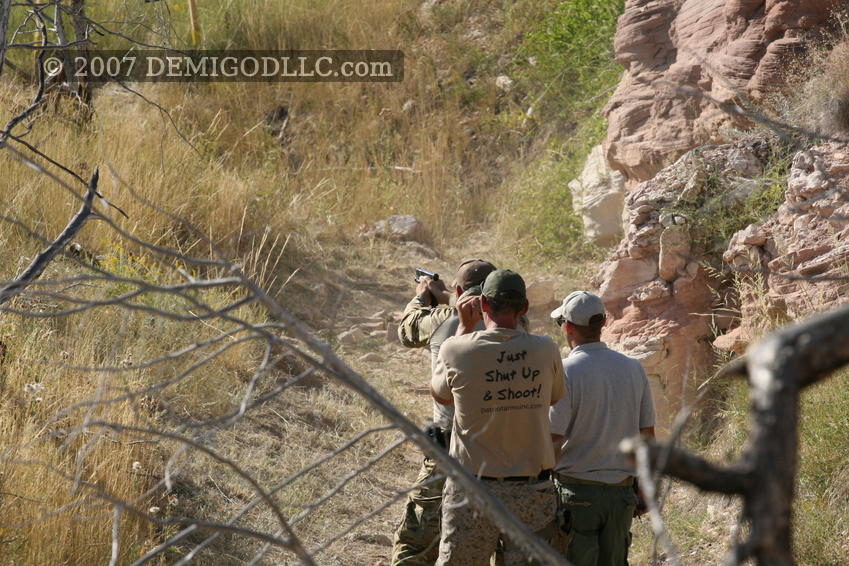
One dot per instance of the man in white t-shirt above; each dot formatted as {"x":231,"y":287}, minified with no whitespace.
{"x":608,"y":399}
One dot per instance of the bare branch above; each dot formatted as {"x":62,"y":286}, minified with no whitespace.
{"x":819,"y":345}
{"x":475,"y":490}
{"x":735,"y":368}
{"x":296,"y":545}
{"x":648,"y":487}
{"x":39,"y":99}
{"x":39,"y":264}
{"x":347,"y":479}
{"x":247,"y":508}
{"x":116,"y":536}
{"x":692,"y":469}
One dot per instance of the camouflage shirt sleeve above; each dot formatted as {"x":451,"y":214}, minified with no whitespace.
{"x":420,"y":321}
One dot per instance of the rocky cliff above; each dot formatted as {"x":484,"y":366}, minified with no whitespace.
{"x":796,"y":262}
{"x":659,"y":284}
{"x":684,"y":58}
{"x":676,"y":294}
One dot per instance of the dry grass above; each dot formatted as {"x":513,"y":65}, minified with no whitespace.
{"x":49,"y":518}
{"x":283,"y":205}
{"x":437,"y":145}
{"x":815,"y":96}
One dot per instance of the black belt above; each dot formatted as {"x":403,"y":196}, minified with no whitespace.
{"x":563,"y":478}
{"x":543,"y":475}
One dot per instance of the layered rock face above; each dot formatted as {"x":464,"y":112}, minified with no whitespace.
{"x":656,"y":285}
{"x":683,"y":58}
{"x":674,"y":296}
{"x":672,"y":300}
{"x":797,"y":262}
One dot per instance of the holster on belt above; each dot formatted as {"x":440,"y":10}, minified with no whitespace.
{"x":440,"y":433}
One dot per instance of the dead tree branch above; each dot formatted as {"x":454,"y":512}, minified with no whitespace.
{"x":43,"y":258}
{"x":692,"y":469}
{"x":237,"y":330}
{"x":481,"y":496}
{"x":778,"y":367}
{"x":285,"y":529}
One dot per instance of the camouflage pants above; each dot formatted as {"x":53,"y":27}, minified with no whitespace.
{"x":417,"y":537}
{"x":469,"y":537}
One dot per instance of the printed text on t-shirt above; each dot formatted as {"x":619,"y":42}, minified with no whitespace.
{"x":501,"y":374}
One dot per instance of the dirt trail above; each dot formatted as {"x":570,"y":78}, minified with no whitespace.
{"x":372,"y":295}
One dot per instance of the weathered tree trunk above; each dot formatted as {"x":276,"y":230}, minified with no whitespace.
{"x":5,"y":9}
{"x":67,"y":60}
{"x":774,"y":374}
{"x":81,"y":34}
{"x":193,"y":21}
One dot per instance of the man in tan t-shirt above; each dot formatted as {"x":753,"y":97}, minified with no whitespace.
{"x":501,"y":382}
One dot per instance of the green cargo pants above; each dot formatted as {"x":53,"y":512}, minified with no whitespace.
{"x":599,"y":522}
{"x":417,"y":537}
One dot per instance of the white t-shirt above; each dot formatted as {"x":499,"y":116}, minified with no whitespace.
{"x":608,"y":399}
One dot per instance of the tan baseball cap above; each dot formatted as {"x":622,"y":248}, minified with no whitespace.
{"x":579,"y":307}
{"x":472,"y":272}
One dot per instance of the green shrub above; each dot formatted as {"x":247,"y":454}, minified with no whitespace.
{"x":726,"y":205}
{"x":539,"y":212}
{"x":567,"y":63}
{"x":566,"y":72}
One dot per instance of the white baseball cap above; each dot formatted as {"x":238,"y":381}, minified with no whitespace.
{"x":579,"y":307}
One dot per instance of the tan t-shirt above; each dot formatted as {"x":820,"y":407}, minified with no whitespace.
{"x":502,"y":382}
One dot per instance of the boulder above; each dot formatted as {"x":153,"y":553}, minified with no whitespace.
{"x":541,"y":294}
{"x":351,"y":337}
{"x":619,"y":278}
{"x":674,"y":251}
{"x":598,"y":196}
{"x":405,"y":227}
{"x":732,"y":341}
{"x":372,"y":325}
{"x":504,"y":83}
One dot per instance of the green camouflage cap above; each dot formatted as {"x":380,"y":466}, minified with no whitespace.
{"x":503,"y":284}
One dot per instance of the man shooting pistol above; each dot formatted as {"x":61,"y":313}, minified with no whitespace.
{"x":431,"y":290}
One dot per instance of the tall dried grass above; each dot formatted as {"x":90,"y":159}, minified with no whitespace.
{"x":435,"y":145}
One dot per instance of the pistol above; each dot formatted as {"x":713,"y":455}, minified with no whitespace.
{"x":425,"y":273}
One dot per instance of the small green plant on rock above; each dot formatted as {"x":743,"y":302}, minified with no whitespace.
{"x":726,"y":204}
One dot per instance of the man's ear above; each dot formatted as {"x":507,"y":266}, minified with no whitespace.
{"x":484,"y":304}
{"x":525,"y":309}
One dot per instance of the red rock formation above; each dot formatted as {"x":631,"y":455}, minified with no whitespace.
{"x":655,"y":285}
{"x":682,"y":57}
{"x":798,"y":261}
